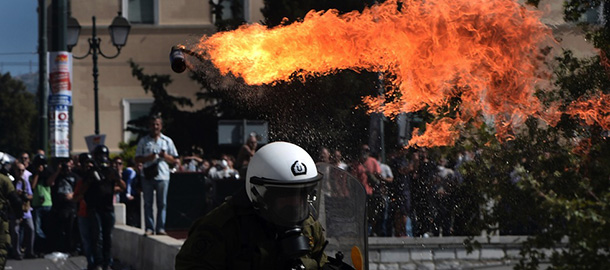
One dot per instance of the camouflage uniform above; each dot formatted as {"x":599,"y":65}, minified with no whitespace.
{"x":6,"y":189}
{"x":234,"y":236}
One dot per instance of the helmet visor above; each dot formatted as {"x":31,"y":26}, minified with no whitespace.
{"x":285,"y":205}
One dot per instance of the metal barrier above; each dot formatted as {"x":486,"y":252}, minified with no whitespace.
{"x":192,"y":195}
{"x":186,"y":200}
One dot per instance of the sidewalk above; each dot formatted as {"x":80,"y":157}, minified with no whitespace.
{"x":71,"y":263}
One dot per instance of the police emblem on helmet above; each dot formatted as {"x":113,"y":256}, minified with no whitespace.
{"x":298,"y":168}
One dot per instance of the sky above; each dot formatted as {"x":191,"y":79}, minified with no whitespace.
{"x":18,"y":36}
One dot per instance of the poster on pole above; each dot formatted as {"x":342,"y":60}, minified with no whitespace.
{"x":59,"y":129}
{"x":60,"y":78}
{"x":94,"y":140}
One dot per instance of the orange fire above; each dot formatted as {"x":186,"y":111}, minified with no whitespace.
{"x":592,"y":111}
{"x":486,"y":49}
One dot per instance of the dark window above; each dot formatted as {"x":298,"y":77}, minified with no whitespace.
{"x":141,"y":11}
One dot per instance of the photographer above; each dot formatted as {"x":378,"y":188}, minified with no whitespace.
{"x":63,"y":211}
{"x":86,"y":224}
{"x":98,"y":189}
{"x":41,"y":202}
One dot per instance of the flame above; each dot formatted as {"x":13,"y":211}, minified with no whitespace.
{"x":488,"y":49}
{"x":443,"y":132}
{"x":595,"y":110}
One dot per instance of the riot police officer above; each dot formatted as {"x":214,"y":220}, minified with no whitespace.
{"x":8,"y":202}
{"x":266,"y":225}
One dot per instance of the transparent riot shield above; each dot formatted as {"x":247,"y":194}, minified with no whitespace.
{"x":341,"y":209}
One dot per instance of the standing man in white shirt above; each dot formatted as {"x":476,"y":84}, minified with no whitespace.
{"x":156,"y":151}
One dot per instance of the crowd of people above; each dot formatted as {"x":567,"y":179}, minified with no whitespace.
{"x":68,"y":203}
{"x":67,"y":208}
{"x":410,"y":194}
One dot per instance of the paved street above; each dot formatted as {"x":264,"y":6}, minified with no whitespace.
{"x":71,"y":263}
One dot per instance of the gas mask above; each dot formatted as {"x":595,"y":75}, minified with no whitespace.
{"x":286,"y":207}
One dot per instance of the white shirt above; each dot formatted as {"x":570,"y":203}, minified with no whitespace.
{"x":147,"y":145}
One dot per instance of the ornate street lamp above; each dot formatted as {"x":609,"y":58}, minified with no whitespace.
{"x":119,"y":30}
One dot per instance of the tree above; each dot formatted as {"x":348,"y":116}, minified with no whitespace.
{"x":550,"y":182}
{"x":561,"y":170}
{"x":321,"y":111}
{"x":178,"y":124}
{"x":17,"y":115}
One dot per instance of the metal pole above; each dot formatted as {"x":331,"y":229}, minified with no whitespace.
{"x":94,"y":46}
{"x":60,"y":25}
{"x":43,"y":90}
{"x":59,"y":19}
{"x":382,"y":151}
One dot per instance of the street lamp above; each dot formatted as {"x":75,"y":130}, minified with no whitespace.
{"x":119,"y":30}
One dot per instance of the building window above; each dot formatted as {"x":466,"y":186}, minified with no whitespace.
{"x":228,"y":10}
{"x":141,"y":11}
{"x":132,"y":110}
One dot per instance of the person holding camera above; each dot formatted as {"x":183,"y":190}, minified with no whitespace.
{"x":41,"y":202}
{"x":63,"y":210}
{"x":156,"y":151}
{"x":87,"y":228}
{"x":98,"y":189}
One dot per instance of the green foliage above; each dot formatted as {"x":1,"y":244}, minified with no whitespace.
{"x":561,"y":198}
{"x":550,"y":182}
{"x":574,"y":9}
{"x":128,"y":152}
{"x":186,"y":128}
{"x":315,"y":112}
{"x":319,"y":111}
{"x":17,"y":116}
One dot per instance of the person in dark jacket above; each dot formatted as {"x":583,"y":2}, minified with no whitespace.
{"x":98,"y":192}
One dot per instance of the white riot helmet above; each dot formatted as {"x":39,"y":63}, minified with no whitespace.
{"x":281,"y":181}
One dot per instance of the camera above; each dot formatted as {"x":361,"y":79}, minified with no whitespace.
{"x":95,"y":172}
{"x":39,"y":160}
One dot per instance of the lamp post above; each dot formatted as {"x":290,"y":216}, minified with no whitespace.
{"x":119,"y":30}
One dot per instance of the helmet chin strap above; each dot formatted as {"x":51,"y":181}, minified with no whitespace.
{"x":259,"y":202}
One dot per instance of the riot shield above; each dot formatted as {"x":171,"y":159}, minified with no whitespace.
{"x":341,"y":209}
